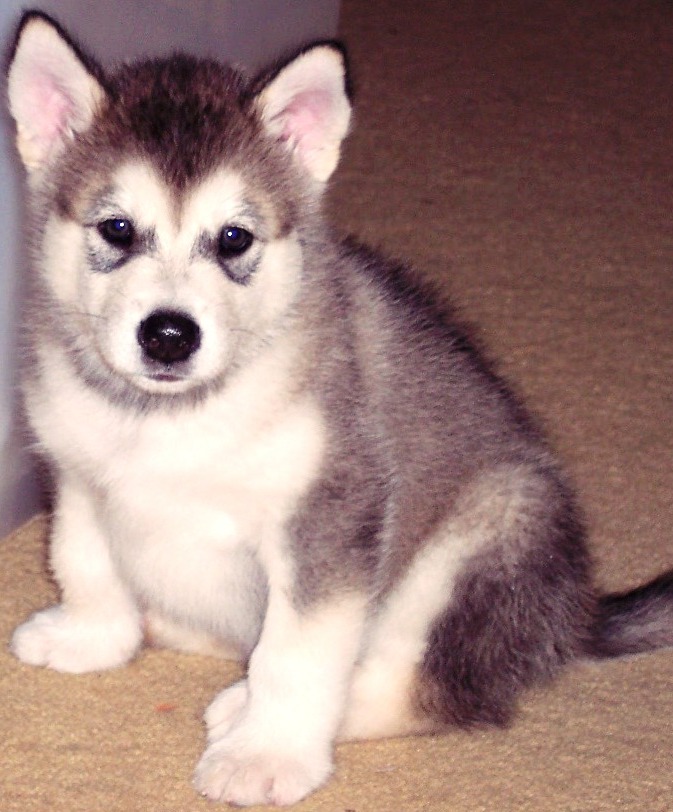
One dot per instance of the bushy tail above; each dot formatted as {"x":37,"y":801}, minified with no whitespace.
{"x":635,"y":622}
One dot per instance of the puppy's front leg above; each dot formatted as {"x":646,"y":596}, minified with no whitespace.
{"x":97,"y":625}
{"x":275,"y":745}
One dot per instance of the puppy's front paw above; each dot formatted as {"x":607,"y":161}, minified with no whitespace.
{"x":235,"y":771}
{"x":64,"y":642}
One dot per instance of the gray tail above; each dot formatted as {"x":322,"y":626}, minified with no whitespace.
{"x":634,"y":622}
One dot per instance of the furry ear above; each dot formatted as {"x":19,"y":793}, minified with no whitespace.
{"x":305,"y":104}
{"x":53,"y":93}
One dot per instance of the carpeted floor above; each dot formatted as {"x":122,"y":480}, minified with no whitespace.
{"x":523,"y":159}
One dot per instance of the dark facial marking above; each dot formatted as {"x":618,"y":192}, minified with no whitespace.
{"x":119,"y":242}
{"x":183,"y":113}
{"x":233,"y":250}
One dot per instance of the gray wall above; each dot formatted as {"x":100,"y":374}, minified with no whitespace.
{"x":245,"y":32}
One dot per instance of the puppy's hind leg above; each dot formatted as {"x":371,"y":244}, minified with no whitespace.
{"x":498,"y":601}
{"x":519,"y":610}
{"x":97,"y":625}
{"x":381,"y":700}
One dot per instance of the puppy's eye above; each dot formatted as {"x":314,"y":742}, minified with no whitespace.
{"x":233,"y":241}
{"x":117,"y":231}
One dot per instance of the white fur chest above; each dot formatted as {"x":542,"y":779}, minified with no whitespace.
{"x":252,"y":437}
{"x":184,"y":497}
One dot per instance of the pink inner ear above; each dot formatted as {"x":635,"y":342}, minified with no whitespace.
{"x":306,"y":120}
{"x":53,"y":110}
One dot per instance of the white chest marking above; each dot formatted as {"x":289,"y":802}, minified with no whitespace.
{"x":185,"y":497}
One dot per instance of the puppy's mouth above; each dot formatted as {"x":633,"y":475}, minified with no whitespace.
{"x":166,"y":380}
{"x":166,"y":377}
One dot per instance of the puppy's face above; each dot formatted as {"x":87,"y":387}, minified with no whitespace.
{"x":170,"y":199}
{"x":166,"y":290}
{"x":171,"y":251}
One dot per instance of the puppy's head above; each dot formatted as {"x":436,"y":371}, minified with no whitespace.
{"x":169,"y":200}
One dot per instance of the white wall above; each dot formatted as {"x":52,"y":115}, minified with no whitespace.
{"x":245,"y":32}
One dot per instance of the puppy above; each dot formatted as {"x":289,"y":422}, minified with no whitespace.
{"x":270,"y":442}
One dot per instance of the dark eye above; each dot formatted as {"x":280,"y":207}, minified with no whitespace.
{"x":117,"y":231}
{"x":233,"y":241}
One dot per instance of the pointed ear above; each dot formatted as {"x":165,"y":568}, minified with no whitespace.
{"x":305,"y":104}
{"x":53,"y":92}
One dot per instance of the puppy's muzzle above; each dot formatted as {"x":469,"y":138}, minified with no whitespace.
{"x":169,"y":337}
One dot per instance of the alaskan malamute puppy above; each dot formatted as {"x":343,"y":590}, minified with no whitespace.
{"x":272,"y":443}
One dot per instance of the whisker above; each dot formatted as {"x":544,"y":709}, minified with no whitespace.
{"x":84,"y":313}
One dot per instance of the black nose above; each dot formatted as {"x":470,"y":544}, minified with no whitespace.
{"x":169,"y":337}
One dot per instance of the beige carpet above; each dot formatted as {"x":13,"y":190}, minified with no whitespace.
{"x":524,"y":158}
